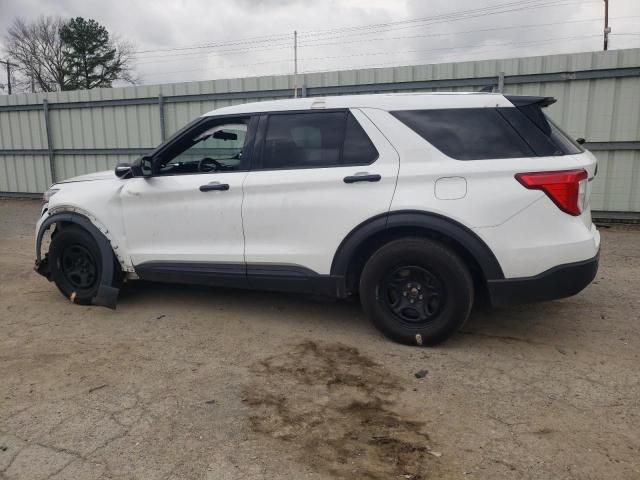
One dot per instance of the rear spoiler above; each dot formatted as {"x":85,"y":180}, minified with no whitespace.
{"x":526,"y":100}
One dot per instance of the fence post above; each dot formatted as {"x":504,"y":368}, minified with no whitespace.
{"x":47,"y":127}
{"x":500,"y":82}
{"x":161,"y":109}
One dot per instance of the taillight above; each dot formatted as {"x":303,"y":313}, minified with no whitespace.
{"x":566,"y":188}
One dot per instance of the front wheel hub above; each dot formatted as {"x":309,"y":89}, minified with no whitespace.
{"x":79,"y":267}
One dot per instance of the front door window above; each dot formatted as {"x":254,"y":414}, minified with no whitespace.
{"x":218,"y":148}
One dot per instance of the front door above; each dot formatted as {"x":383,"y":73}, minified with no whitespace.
{"x":189,"y":211}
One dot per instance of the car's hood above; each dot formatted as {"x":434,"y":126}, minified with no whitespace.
{"x":89,"y":177}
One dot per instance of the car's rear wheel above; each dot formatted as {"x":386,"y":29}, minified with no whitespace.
{"x":76,"y":264}
{"x":416,"y":291}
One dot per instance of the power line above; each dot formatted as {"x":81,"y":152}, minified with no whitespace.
{"x":452,"y":16}
{"x":460,"y":16}
{"x":191,"y":55}
{"x":288,"y":44}
{"x":426,"y":59}
{"x":512,"y":27}
{"x":524,"y":4}
{"x":264,"y":38}
{"x":513,"y":44}
{"x":260,"y":39}
{"x":256,"y":44}
{"x":449,"y":48}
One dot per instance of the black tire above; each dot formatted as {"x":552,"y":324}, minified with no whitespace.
{"x":416,"y":291}
{"x":76,"y":264}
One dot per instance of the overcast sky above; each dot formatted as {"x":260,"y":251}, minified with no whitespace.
{"x":255,"y":37}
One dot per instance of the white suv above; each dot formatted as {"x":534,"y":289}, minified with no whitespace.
{"x":418,"y":203}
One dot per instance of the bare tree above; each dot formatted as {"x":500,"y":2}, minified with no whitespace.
{"x":125,"y":55}
{"x":46,"y":63}
{"x":37,"y":49}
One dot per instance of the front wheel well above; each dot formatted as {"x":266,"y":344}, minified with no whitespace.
{"x":111,"y":266}
{"x":369,"y":246}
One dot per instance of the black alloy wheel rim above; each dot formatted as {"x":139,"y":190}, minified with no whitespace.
{"x":79,"y":267}
{"x":413,"y":294}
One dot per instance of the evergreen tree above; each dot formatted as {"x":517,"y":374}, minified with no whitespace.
{"x":92,"y":60}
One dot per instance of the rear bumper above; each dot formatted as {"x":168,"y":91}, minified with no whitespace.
{"x":558,"y":282}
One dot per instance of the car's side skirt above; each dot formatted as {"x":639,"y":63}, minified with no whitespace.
{"x":284,"y":278}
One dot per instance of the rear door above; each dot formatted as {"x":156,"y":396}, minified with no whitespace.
{"x":319,"y":173}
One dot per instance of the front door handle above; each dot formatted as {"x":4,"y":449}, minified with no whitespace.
{"x":365,"y":177}
{"x":214,"y":186}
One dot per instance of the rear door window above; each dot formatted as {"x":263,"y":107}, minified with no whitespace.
{"x":315,"y":140}
{"x":303,"y":140}
{"x":467,"y":133}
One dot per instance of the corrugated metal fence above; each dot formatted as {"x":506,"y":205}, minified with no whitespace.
{"x":48,"y":137}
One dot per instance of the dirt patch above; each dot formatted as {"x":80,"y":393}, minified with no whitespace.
{"x":337,"y":409}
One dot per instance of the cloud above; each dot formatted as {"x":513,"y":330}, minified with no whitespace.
{"x":254,"y":37}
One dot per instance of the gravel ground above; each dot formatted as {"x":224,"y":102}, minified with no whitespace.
{"x":183,"y":382}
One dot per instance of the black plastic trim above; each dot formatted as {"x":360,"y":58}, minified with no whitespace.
{"x":215,"y":274}
{"x":272,"y":277}
{"x":413,"y":218}
{"x":214,"y":186}
{"x":558,"y":282}
{"x":293,"y":278}
{"x":523,"y":100}
{"x":362,"y":178}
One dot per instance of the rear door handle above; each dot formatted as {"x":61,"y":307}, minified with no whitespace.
{"x":214,"y":186}
{"x":365,"y":177}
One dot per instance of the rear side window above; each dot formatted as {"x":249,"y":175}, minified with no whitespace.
{"x":566,"y":143}
{"x":467,"y":133}
{"x":561,"y":140}
{"x":315,"y":140}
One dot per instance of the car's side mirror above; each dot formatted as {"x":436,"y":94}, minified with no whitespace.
{"x":580,"y":140}
{"x":145,"y":165}
{"x":141,"y":167}
{"x":124,"y":170}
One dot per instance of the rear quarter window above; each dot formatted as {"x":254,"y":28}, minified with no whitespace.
{"x":467,"y":133}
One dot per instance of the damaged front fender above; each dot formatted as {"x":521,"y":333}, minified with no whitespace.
{"x":106,"y":295}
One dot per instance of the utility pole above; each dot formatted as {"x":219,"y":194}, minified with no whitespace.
{"x":607,"y":29}
{"x":9,"y":65}
{"x":295,"y":64}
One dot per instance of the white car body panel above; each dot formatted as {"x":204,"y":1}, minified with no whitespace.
{"x":100,"y":201}
{"x":301,"y":216}
{"x":170,"y":219}
{"x":297,"y":217}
